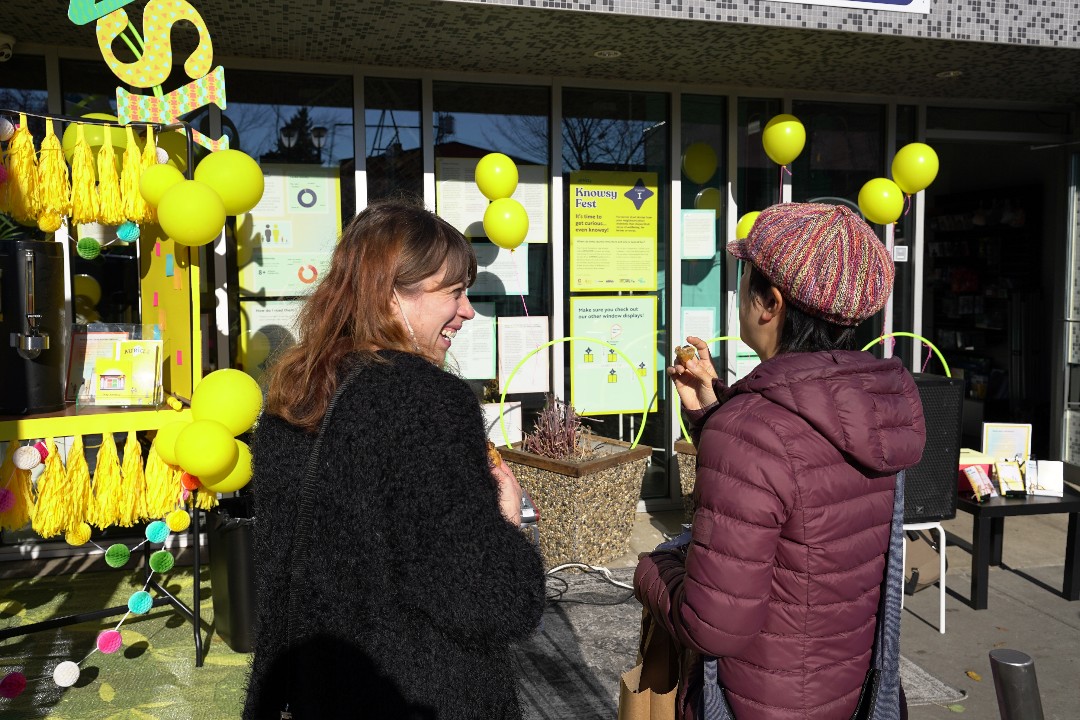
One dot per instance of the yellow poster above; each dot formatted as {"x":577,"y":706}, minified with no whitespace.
{"x":613,"y":221}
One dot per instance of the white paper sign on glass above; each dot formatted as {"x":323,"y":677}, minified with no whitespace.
{"x":518,"y":337}
{"x":500,"y":271}
{"x":699,"y":322}
{"x":473,"y":351}
{"x":698,"y":234}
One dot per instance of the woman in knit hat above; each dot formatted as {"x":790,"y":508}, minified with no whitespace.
{"x":781,"y":576}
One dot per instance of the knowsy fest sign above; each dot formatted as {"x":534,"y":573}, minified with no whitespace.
{"x":153,"y":62}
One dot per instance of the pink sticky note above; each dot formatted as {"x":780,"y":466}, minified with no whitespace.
{"x":157,"y":248}
{"x":155,"y":299}
{"x":179,"y":357}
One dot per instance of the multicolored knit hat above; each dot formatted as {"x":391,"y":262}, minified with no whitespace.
{"x":824,"y":259}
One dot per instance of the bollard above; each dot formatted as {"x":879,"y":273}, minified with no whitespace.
{"x":1016,"y":685}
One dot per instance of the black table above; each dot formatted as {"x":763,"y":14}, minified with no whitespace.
{"x":990,"y":526}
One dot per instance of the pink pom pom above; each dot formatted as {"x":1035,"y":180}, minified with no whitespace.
{"x":43,"y":450}
{"x":109,"y":641}
{"x":7,"y":500}
{"x":12,"y":685}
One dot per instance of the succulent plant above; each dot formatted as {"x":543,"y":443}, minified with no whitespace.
{"x":559,"y":433}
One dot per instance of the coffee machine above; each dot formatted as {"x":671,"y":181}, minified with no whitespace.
{"x":33,"y":326}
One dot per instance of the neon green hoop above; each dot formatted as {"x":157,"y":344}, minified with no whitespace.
{"x":644,"y":392}
{"x":920,"y":338}
{"x":678,"y":402}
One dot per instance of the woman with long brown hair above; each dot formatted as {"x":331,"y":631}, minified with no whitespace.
{"x":391,"y":573}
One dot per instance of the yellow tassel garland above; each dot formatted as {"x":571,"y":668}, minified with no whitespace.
{"x":5,"y":207}
{"x":149,"y":158}
{"x":78,"y":474}
{"x":17,"y":482}
{"x":54,"y":186}
{"x":110,"y":205}
{"x":206,"y":500}
{"x":22,"y":175}
{"x":105,"y":506}
{"x":52,"y":515}
{"x":133,"y":500}
{"x":162,"y":486}
{"x":134,"y":205}
{"x":84,"y":203}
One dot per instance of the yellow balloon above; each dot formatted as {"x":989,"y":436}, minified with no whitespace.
{"x":156,"y":180}
{"x":699,"y":162}
{"x":506,"y":223}
{"x":746,"y":224}
{"x":914,"y":167}
{"x":235,"y":177}
{"x":708,"y":199}
{"x":174,"y":143}
{"x":165,"y":442}
{"x":96,"y":136}
{"x":783,"y":138}
{"x":496,"y":176}
{"x":881,"y":201}
{"x":236,"y":477}
{"x":230,"y":397}
{"x":205,"y":448}
{"x":86,"y":286}
{"x":191,"y":213}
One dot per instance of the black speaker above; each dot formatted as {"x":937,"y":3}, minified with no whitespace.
{"x":930,"y":486}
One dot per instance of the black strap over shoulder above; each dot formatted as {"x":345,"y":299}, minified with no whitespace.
{"x":304,"y":517}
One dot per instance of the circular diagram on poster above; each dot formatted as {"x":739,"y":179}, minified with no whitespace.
{"x":307,"y":274}
{"x":307,"y":198}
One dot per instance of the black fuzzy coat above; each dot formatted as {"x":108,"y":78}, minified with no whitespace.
{"x":415,"y":585}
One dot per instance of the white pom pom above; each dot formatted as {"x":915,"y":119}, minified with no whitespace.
{"x":6,"y":129}
{"x":162,"y":155}
{"x":66,"y":674}
{"x":27,"y":457}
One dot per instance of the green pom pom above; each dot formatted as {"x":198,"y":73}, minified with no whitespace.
{"x":88,"y":248}
{"x":161,"y":561}
{"x":117,"y":555}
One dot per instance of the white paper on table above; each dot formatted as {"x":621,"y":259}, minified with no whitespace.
{"x":698,"y":234}
{"x":1051,"y":479}
{"x":511,"y":418}
{"x":473,"y":349}
{"x":500,"y":271}
{"x":517,"y":337}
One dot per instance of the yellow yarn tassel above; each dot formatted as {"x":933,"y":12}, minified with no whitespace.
{"x":206,"y":500}
{"x":53,"y":511}
{"x":129,"y":180}
{"x":110,"y":204}
{"x":78,"y":483}
{"x":22,"y":175}
{"x":5,"y":207}
{"x":149,"y":158}
{"x":54,"y":186}
{"x":133,"y":500}
{"x":105,"y":508}
{"x":17,"y":482}
{"x":162,"y":485}
{"x":84,"y":203}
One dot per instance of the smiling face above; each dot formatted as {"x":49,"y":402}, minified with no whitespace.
{"x":435,"y":313}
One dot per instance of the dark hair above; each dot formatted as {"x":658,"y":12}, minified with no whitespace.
{"x":392,"y":245}
{"x":802,"y":332}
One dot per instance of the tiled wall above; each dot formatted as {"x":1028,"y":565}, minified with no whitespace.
{"x":1051,"y":23}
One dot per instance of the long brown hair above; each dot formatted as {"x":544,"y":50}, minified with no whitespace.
{"x":392,"y":245}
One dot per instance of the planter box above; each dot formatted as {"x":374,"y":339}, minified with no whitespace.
{"x":686,"y":456}
{"x":586,"y":507}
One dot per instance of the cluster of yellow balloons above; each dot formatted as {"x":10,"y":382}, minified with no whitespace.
{"x":914,"y":167}
{"x":225,"y":404}
{"x":746,"y":222}
{"x":192,"y":212}
{"x":783,"y":138}
{"x":505,"y":221}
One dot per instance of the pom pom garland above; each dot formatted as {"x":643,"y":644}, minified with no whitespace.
{"x":13,"y":685}
{"x":27,"y":457}
{"x":66,"y":674}
{"x":128,"y":232}
{"x":79,"y":535}
{"x":6,"y":129}
{"x":109,"y":641}
{"x":157,"y":531}
{"x":178,"y":520}
{"x":162,"y":561}
{"x":88,"y":248}
{"x":117,"y":555}
{"x":140,"y":602}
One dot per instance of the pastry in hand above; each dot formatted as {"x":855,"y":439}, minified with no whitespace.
{"x":494,"y":458}
{"x":685,"y":353}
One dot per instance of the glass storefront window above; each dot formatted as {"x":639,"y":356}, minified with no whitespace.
{"x":395,"y":155}
{"x":624,"y":133}
{"x":758,"y":183}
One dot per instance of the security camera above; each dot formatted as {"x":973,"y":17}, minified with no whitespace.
{"x":7,"y":47}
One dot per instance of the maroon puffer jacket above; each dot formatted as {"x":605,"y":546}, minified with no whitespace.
{"x":794,"y":501}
